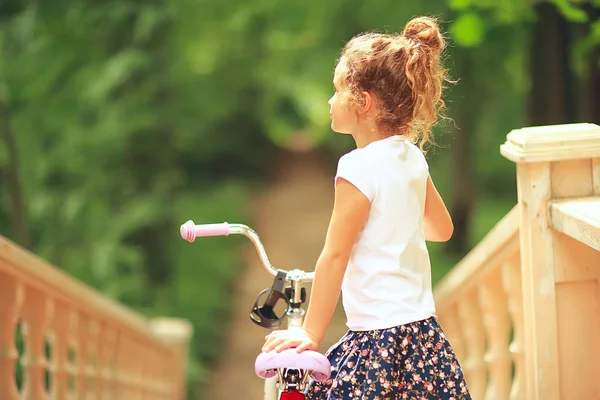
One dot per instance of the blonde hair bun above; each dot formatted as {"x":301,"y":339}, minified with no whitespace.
{"x":425,"y":31}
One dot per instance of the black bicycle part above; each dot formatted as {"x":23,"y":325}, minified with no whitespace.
{"x":289,"y":292}
{"x":264,"y":314}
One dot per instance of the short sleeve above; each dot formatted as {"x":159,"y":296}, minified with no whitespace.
{"x":356,"y":170}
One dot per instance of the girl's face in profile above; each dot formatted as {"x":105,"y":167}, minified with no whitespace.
{"x":341,"y":112}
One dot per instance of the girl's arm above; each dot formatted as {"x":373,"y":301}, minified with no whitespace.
{"x":438,"y":223}
{"x":350,"y":213}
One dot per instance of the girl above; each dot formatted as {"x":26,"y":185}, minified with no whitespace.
{"x":387,"y":96}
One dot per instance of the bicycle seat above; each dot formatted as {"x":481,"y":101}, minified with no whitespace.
{"x":315,"y":363}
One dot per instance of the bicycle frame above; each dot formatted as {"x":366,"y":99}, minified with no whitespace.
{"x":295,"y":314}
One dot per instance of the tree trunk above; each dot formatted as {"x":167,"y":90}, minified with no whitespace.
{"x":10,"y":176}
{"x":462,"y":194}
{"x":552,"y":98}
{"x":593,"y":83}
{"x":593,"y":87}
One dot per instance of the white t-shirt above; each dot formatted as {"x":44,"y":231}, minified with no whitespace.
{"x":388,"y":279}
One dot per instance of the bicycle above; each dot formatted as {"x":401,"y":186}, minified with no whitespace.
{"x":286,"y":373}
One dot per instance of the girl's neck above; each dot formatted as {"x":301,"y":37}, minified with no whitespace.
{"x":363,"y":138}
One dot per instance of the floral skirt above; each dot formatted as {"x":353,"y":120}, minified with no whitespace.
{"x":412,"y":361}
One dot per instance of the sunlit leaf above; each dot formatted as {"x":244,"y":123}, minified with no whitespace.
{"x":115,"y":73}
{"x":459,"y":5}
{"x":570,"y":11}
{"x":468,"y":30}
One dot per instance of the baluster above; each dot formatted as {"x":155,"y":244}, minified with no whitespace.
{"x":511,"y":278}
{"x":149,"y":376}
{"x":163,"y":362}
{"x":161,"y":369}
{"x":137,"y":364}
{"x":112,"y":377}
{"x":11,"y":295}
{"x":83,"y":327}
{"x":173,"y":375}
{"x":145,"y":361}
{"x":497,"y":324}
{"x":450,"y":323}
{"x":128,"y":368}
{"x":152,"y":378}
{"x":91,"y":368}
{"x":103,"y":363}
{"x":154,"y":383}
{"x":121,"y":367}
{"x":73,"y":343}
{"x":146,"y":369}
{"x":472,"y":327}
{"x":59,"y":365}
{"x":177,"y":332}
{"x":116,"y":372}
{"x":140,"y":360}
{"x":166,"y":375}
{"x":35,"y":316}
{"x":133,"y":370}
{"x":135,"y":377}
{"x":155,"y":375}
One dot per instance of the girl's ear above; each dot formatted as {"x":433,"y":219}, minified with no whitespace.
{"x":367,"y":103}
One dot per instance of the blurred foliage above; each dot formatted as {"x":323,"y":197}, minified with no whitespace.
{"x":119,"y":120}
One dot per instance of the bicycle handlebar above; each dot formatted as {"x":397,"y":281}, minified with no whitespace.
{"x":190,"y":231}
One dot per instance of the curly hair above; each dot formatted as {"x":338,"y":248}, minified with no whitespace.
{"x":404,"y":72}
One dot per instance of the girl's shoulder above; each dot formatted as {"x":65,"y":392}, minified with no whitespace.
{"x":357,"y":158}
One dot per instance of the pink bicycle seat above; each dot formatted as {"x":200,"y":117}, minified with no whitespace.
{"x":315,"y":363}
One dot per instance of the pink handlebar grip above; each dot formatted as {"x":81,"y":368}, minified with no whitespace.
{"x":190,"y":231}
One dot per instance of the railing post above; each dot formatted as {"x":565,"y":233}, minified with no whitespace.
{"x":511,"y":281}
{"x":11,"y":297}
{"x":552,"y":162}
{"x":177,"y":332}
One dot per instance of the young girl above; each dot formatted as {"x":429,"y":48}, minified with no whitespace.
{"x":387,"y":96}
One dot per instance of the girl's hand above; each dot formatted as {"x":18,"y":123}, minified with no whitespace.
{"x":285,"y":339}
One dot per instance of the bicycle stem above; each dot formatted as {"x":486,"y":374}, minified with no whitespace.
{"x":296,"y":314}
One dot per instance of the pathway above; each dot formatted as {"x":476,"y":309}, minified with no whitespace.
{"x":291,"y":218}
